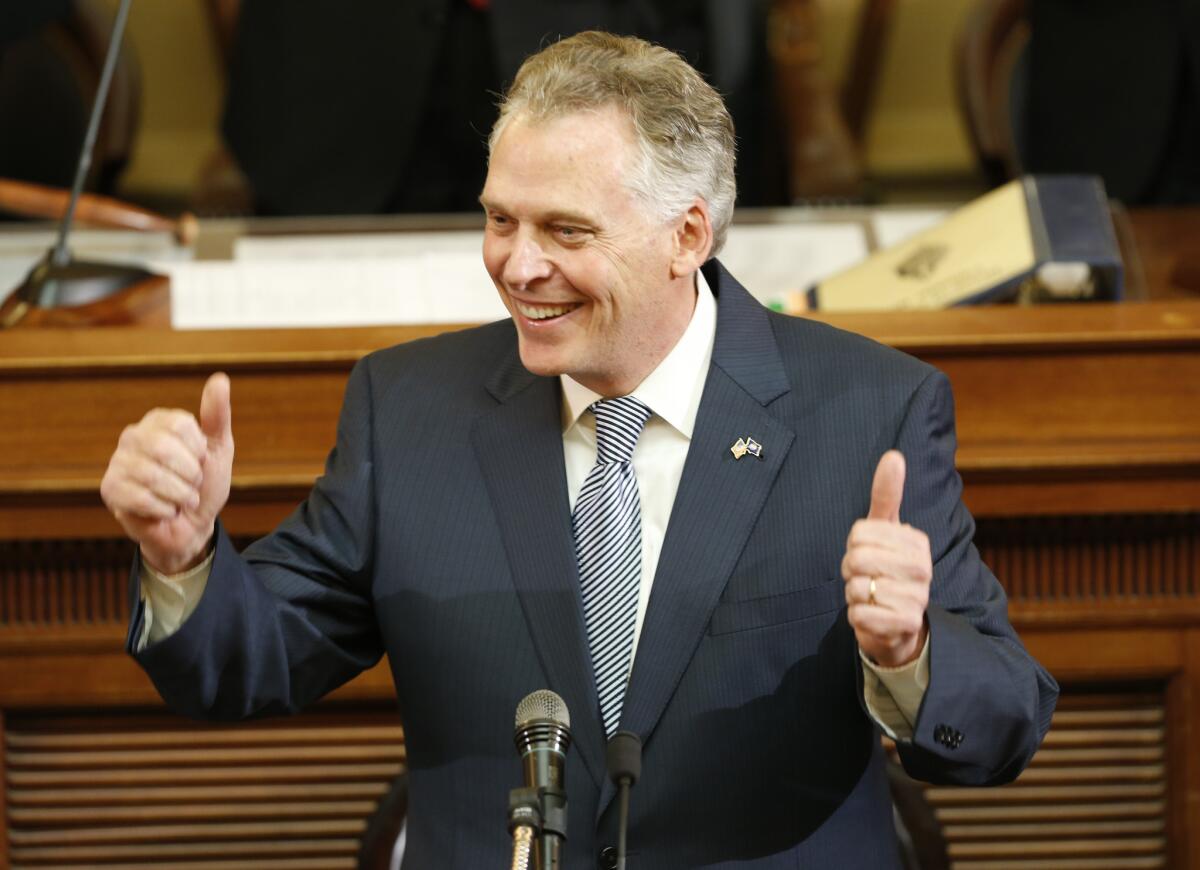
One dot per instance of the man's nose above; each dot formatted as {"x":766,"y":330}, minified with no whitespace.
{"x":526,"y":263}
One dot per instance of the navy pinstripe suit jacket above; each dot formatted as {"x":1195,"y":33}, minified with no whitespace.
{"x":440,"y":534}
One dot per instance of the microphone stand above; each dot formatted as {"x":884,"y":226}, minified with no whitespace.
{"x":624,"y":763}
{"x":58,"y":280}
{"x":538,"y":812}
{"x":525,"y":825}
{"x":623,"y":825}
{"x":554,"y":827}
{"x":540,"y":742}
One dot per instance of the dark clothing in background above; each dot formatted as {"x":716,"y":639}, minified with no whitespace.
{"x":380,"y":105}
{"x":1115,"y":91}
{"x":19,"y":20}
{"x":43,"y":113}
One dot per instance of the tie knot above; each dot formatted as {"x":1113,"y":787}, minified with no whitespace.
{"x":619,"y":423}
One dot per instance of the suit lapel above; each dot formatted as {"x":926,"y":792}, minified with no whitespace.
{"x":520,"y":451}
{"x":519,"y":448}
{"x":716,"y":506}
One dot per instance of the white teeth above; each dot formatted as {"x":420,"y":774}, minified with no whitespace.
{"x":542,"y":312}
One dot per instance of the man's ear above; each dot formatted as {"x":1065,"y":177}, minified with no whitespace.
{"x":693,"y":240}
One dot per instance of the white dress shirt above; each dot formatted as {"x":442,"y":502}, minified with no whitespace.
{"x":672,"y":391}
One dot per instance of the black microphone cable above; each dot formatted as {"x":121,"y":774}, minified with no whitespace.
{"x":624,"y":762}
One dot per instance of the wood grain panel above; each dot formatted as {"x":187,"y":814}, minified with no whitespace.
{"x":1094,"y":796}
{"x":64,"y":583}
{"x":1080,"y":453}
{"x":147,"y":788}
{"x":1131,"y":558}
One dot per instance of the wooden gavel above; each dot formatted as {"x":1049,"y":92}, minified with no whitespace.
{"x":38,"y":201}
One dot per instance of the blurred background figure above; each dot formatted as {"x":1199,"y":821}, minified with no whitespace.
{"x":1105,"y":87}
{"x":314,"y":107}
{"x":51,"y":53}
{"x":1114,"y":90}
{"x":380,"y":106}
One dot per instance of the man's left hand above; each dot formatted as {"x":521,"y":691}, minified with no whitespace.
{"x":888,"y":568}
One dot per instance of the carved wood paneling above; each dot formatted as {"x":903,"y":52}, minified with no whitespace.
{"x":1133,"y":559}
{"x":71,"y":587}
{"x":64,"y":583}
{"x":1079,"y":445}
{"x":1129,"y":558}
{"x":136,"y":788}
{"x":1095,"y":796}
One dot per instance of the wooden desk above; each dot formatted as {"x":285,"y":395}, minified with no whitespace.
{"x":1079,"y":447}
{"x":1165,"y":240}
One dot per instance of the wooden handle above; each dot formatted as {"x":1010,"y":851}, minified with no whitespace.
{"x":823,"y":161}
{"x":36,"y":200}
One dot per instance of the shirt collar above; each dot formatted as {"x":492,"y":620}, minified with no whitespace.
{"x":673,"y":389}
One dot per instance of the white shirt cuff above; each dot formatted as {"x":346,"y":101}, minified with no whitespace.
{"x":169,"y":599}
{"x":893,"y":695}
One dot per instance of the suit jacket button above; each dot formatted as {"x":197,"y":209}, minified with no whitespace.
{"x":608,"y":858}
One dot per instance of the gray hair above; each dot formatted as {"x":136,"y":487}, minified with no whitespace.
{"x":681,"y":126}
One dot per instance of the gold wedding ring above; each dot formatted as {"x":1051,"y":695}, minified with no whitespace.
{"x":871,"y":592}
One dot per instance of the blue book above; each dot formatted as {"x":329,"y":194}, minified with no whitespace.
{"x":1041,"y":238}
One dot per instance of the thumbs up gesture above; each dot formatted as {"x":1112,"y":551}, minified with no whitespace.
{"x":888,"y":568}
{"x":169,"y":478}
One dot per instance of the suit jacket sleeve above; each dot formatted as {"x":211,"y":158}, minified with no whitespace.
{"x":291,"y":619}
{"x":988,"y":704}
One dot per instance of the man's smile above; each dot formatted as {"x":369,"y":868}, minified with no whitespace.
{"x":544,"y":312}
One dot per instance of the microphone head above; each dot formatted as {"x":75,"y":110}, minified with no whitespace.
{"x":542,"y":704}
{"x":624,"y":757}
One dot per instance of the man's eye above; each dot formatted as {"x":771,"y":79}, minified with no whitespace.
{"x":569,"y":232}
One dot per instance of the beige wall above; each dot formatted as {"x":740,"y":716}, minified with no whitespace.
{"x":915,"y":129}
{"x":181,"y":95}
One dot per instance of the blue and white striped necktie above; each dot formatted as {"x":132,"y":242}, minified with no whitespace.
{"x":608,"y":545}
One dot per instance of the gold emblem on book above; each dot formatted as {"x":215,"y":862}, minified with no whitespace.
{"x":920,"y":264}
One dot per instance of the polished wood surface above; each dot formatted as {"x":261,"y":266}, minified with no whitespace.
{"x":1075,"y":401}
{"x":149,"y":789}
{"x":1079,"y":433}
{"x":38,"y":201}
{"x":146,"y":303}
{"x":1168,"y":249}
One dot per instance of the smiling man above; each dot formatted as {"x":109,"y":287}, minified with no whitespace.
{"x":600,"y":287}
{"x":736,"y":534}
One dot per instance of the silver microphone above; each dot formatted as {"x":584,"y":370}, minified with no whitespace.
{"x":542,"y":736}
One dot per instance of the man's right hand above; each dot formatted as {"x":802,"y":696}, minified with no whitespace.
{"x":169,"y":478}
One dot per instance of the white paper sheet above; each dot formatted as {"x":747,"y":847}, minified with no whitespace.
{"x":438,"y":277}
{"x":893,"y":226}
{"x":773,"y":261}
{"x":434,"y":287}
{"x":358,"y":245}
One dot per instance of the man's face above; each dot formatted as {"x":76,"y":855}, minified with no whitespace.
{"x":579,"y":262}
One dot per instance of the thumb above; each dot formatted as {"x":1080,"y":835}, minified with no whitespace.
{"x":216,"y":414}
{"x":888,"y":488}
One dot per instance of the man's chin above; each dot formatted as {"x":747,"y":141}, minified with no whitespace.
{"x":543,"y":365}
